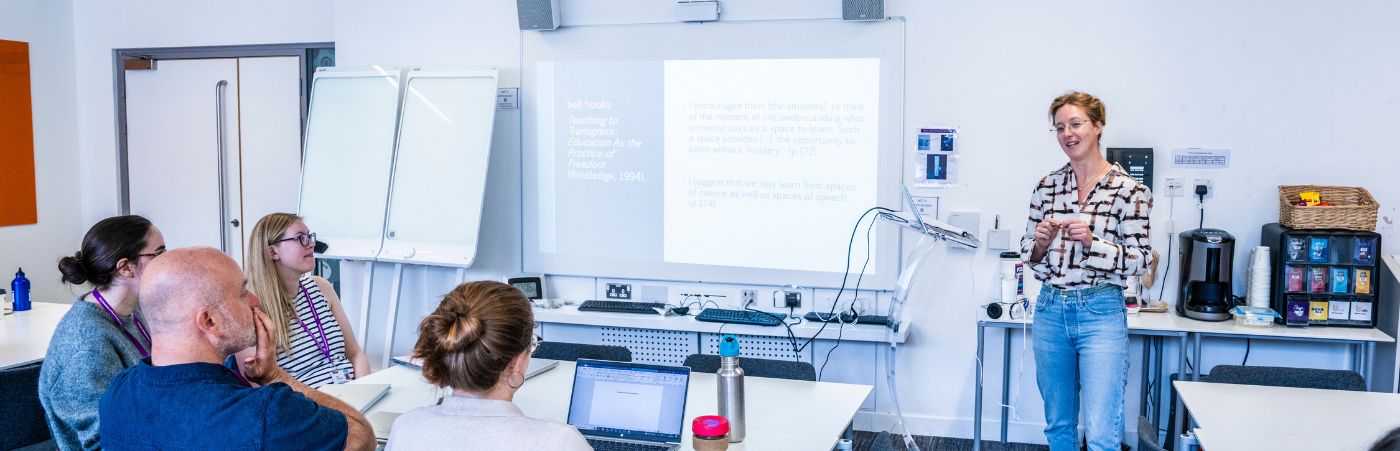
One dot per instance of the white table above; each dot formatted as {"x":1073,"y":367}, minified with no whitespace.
{"x":570,"y":314}
{"x":1251,"y":417}
{"x":1362,"y":342}
{"x":24,"y":336}
{"x":782,"y":414}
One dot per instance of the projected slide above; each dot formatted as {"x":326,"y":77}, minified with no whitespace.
{"x":749,"y":163}
{"x":755,"y":150}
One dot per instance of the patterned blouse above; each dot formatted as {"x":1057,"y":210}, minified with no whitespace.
{"x":1117,"y":211}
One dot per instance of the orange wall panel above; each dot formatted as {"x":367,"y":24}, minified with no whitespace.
{"x":18,"y":202}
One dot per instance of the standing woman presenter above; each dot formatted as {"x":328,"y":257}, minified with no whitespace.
{"x":1087,"y":232}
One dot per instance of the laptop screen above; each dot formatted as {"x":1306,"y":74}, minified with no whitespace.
{"x":629,"y":400}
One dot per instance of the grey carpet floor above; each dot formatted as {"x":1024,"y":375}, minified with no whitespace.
{"x":862,"y":441}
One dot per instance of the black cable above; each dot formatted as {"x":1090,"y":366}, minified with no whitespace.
{"x":1162,"y":278}
{"x":1247,"y":342}
{"x":850,"y":244}
{"x":855,"y":316}
{"x":839,"y":332}
{"x":1201,"y":203}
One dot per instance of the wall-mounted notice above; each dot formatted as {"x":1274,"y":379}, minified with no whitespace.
{"x":935,"y":157}
{"x":1201,"y":158}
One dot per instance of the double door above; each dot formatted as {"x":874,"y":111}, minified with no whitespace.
{"x":213,"y":145}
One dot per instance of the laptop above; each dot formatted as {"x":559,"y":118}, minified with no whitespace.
{"x":619,"y":405}
{"x":359,"y":396}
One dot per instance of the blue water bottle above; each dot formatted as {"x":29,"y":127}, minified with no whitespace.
{"x":19,"y":288}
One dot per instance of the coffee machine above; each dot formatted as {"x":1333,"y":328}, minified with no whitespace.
{"x":1204,"y":290}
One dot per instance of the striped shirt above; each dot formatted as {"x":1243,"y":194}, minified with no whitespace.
{"x":304,"y":361}
{"x":1116,"y":209}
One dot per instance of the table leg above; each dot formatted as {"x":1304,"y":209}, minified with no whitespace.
{"x":1005,"y":379}
{"x":1142,"y":398}
{"x":1181,"y":374}
{"x":1368,"y":361}
{"x":1159,"y":348}
{"x":977,"y":398}
{"x":1196,"y":372}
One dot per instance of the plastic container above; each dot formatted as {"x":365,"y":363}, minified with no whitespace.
{"x":711,"y":433}
{"x":6,"y":307}
{"x":1253,"y":316}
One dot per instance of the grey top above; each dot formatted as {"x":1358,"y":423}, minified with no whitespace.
{"x":461,"y":422}
{"x":86,"y":351}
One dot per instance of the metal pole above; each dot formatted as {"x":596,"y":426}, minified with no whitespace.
{"x":977,"y":404}
{"x":1142,"y":400}
{"x":1005,"y":379}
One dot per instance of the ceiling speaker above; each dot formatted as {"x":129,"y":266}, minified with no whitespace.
{"x":537,"y":14}
{"x":862,"y":9}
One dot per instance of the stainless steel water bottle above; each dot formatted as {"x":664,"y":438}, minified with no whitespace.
{"x":731,"y":387}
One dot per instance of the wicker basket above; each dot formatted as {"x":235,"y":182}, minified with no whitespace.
{"x":1354,"y":208}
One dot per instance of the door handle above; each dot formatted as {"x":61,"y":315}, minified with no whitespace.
{"x":234,"y":222}
{"x":222,"y":150}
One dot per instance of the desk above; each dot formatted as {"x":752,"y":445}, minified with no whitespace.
{"x":569,"y":314}
{"x":782,"y":414}
{"x":1361,"y":341}
{"x":1252,"y":417}
{"x":24,"y":336}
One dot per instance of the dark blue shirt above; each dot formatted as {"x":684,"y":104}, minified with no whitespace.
{"x":202,"y":406}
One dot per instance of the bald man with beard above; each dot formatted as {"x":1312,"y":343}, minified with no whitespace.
{"x":200,"y":311}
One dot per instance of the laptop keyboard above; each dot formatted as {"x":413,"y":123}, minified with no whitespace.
{"x":606,"y":445}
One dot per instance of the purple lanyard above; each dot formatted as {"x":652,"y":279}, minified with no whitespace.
{"x":118,"y":320}
{"x":323,"y":343}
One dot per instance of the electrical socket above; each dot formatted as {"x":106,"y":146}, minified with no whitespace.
{"x":792,"y":299}
{"x":748,"y":296}
{"x":618,"y":291}
{"x":1175,"y":187}
{"x":1210,"y":186}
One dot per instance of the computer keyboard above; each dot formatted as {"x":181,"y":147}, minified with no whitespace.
{"x":620,"y":307}
{"x":607,"y":445}
{"x":717,"y":315}
{"x":846,"y":317}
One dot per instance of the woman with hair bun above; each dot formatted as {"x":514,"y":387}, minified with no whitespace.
{"x":478,"y":343}
{"x":102,"y":333}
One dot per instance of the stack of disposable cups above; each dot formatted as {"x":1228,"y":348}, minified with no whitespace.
{"x":1260,"y":268}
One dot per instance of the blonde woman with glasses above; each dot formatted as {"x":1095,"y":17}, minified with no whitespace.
{"x":313,"y":338}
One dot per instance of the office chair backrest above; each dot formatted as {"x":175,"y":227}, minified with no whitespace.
{"x":780,"y":369}
{"x":883,"y":441}
{"x":1147,"y":436}
{"x":574,"y":351}
{"x":21,"y":415}
{"x":1288,"y":377}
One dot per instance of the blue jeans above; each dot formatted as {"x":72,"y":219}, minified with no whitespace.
{"x":1081,"y":351}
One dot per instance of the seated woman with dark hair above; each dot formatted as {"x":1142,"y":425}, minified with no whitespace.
{"x":102,"y":334}
{"x":478,"y":343}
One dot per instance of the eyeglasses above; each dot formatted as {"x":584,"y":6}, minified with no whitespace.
{"x":153,"y":254}
{"x":303,"y":240}
{"x":535,"y":343}
{"x":1073,"y":126}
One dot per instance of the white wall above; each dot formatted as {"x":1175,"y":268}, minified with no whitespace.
{"x":1303,"y":92}
{"x":1300,"y":92}
{"x":48,"y":28}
